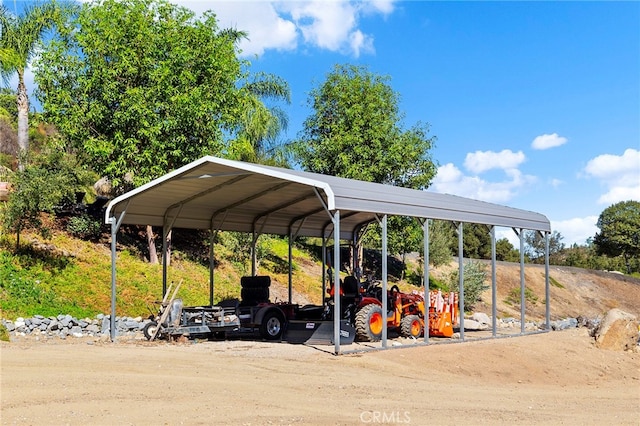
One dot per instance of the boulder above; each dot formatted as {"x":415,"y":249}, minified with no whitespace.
{"x":564,"y":324}
{"x":481,"y":317}
{"x":618,"y":331}
{"x":470,"y":324}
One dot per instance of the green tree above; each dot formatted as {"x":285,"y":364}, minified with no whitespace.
{"x":49,"y":181}
{"x":20,"y":37}
{"x":142,"y":87}
{"x":440,"y":236}
{"x":260,"y":125}
{"x":475,"y":276}
{"x":535,"y":245}
{"x":506,"y":252}
{"x":355,"y":132}
{"x":620,"y":232}
{"x":476,"y":242}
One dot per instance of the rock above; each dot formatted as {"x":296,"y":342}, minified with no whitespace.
{"x":470,"y":324}
{"x":618,"y":331}
{"x":93,"y":329}
{"x":482,"y":318}
{"x":65,"y":321}
{"x":106,"y":325}
{"x":564,"y":324}
{"x":132,"y":325}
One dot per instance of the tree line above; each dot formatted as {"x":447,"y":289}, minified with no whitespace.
{"x":133,"y":89}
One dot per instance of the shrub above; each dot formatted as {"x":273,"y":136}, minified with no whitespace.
{"x":514,"y":297}
{"x":475,"y":275}
{"x":84,"y":227}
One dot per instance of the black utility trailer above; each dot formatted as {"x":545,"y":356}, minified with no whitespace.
{"x":254,"y":312}
{"x":193,"y":322}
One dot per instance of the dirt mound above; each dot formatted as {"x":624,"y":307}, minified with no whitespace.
{"x":574,"y":292}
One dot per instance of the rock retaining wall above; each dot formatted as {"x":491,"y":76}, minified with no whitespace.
{"x":64,"y":326}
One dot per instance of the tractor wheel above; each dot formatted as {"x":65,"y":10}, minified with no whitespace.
{"x":369,"y":323}
{"x":411,"y":326}
{"x":272,"y":326}
{"x":149,"y":330}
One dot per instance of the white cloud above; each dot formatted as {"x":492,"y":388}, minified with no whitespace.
{"x":378,"y":6}
{"x":620,"y":174}
{"x":556,"y":182}
{"x":285,"y":25}
{"x":360,"y":42}
{"x":573,"y":231}
{"x":481,"y":161}
{"x":576,"y":230}
{"x":267,"y":30}
{"x":451,"y":180}
{"x":548,"y":141}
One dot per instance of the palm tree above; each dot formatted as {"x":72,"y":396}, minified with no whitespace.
{"x":19,"y":39}
{"x":261,"y":124}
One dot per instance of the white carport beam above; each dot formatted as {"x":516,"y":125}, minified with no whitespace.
{"x":520,"y":234}
{"x":290,"y":203}
{"x":252,"y":197}
{"x":425,"y":257}
{"x":115,"y":225}
{"x":460,"y":278}
{"x":336,"y":281}
{"x":547,"y":295}
{"x":208,"y":191}
{"x":494,"y":285}
{"x":166,"y":228}
{"x":385,"y":301}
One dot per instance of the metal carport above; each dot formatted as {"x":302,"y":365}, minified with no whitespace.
{"x":224,"y":195}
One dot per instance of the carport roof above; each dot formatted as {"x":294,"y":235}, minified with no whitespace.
{"x":215,"y":193}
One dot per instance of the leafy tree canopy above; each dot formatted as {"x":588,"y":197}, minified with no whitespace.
{"x":20,"y":38}
{"x":619,"y":231}
{"x":141,"y":87}
{"x":355,"y":132}
{"x":535,"y":245}
{"x":49,"y":181}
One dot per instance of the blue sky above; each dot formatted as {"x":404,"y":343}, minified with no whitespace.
{"x":535,"y":105}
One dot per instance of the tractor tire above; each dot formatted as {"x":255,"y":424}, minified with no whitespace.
{"x":150,"y":329}
{"x":272,"y":325}
{"x":369,"y":323}
{"x":411,"y":326}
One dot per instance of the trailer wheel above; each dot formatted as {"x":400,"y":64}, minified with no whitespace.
{"x":150,"y":329}
{"x":369,"y":323}
{"x":272,"y":326}
{"x":411,"y":326}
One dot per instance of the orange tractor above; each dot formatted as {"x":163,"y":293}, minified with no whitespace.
{"x":406,"y":311}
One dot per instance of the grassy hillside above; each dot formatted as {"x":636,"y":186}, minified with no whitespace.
{"x":65,"y":275}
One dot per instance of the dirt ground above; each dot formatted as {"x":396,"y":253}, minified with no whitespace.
{"x":551,"y":378}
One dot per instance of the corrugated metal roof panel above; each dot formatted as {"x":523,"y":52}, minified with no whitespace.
{"x":233,"y":195}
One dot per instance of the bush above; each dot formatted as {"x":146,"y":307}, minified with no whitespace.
{"x":475,"y":275}
{"x":84,"y":227}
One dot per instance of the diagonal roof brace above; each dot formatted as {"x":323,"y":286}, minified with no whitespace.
{"x":251,"y":198}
